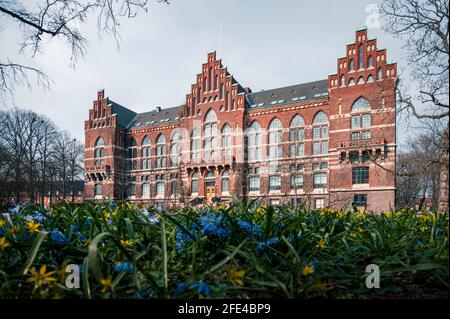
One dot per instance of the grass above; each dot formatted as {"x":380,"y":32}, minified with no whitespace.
{"x":237,"y":251}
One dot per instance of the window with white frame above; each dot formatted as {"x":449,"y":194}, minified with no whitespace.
{"x":297,"y":136}
{"x":275,"y":139}
{"x":320,"y":133}
{"x":254,"y":142}
{"x":226,"y":141}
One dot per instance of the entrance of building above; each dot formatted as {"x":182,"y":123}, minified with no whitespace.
{"x":210,"y":188}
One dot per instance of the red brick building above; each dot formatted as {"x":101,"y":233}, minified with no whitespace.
{"x":326,"y":143}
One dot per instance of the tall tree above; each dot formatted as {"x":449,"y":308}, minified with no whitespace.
{"x":423,"y":24}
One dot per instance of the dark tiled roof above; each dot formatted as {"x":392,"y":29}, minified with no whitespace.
{"x":155,"y":117}
{"x":289,"y":94}
{"x":124,"y":115}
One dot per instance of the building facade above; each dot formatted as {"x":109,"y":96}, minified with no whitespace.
{"x":325,"y":143}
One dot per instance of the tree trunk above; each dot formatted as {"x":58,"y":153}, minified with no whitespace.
{"x":443,"y":175}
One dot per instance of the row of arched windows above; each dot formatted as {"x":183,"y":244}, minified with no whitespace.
{"x":361,"y":80}
{"x":208,"y":143}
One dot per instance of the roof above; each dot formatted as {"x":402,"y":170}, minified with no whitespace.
{"x":124,"y":115}
{"x":289,"y":94}
{"x":155,"y":117}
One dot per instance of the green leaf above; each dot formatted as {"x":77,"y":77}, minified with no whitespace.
{"x":34,"y":250}
{"x":93,"y":255}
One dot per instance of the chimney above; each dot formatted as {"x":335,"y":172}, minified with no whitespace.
{"x":158,"y":109}
{"x":248,"y":90}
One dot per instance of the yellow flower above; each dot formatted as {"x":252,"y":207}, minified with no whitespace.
{"x":106,"y":215}
{"x":308,"y":270}
{"x":353,"y":235}
{"x":235,"y":277}
{"x":260,"y":210}
{"x":2,"y":223}
{"x":33,"y":226}
{"x":321,"y":244}
{"x":425,"y":217}
{"x":127,"y":243}
{"x":106,"y":284}
{"x":388,"y":215}
{"x":424,"y":228}
{"x":359,"y":230}
{"x":360,"y":216}
{"x":3,"y":243}
{"x":41,"y":277}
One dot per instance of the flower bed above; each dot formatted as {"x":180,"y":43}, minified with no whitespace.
{"x":242,"y":251}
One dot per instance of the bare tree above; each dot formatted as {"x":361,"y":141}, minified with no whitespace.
{"x":44,"y":21}
{"x":424,"y":26}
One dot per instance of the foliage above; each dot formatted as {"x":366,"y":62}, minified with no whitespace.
{"x":237,"y":251}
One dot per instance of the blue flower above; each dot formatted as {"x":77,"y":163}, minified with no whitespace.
{"x":127,"y":266}
{"x":59,"y":237}
{"x":213,"y":226}
{"x":14,"y":210}
{"x":252,"y":230}
{"x":160,"y":207}
{"x":202,"y":288}
{"x":261,"y":246}
{"x":181,"y":287}
{"x":35,"y":216}
{"x":182,"y":239}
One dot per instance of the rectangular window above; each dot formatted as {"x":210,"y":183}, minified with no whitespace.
{"x":301,"y":134}
{"x":324,"y":147}
{"x":225,"y":185}
{"x":365,"y":135}
{"x":355,"y":136}
{"x":320,"y":180}
{"x":365,"y":121}
{"x":274,"y":182}
{"x":354,"y":157}
{"x":296,"y":181}
{"x":356,"y":122}
{"x":316,"y":166}
{"x":324,"y":131}
{"x":194,"y":186}
{"x":159,"y":189}
{"x":301,"y":150}
{"x":360,"y":175}
{"x":254,"y":184}
{"x":316,"y":133}
{"x":146,"y":190}
{"x":316,"y":148}
{"x":324,"y":165}
{"x":174,"y":188}
{"x":360,"y":199}
{"x":365,"y":156}
{"x":319,"y":203}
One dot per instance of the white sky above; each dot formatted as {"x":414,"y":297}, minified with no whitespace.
{"x":265,"y":44}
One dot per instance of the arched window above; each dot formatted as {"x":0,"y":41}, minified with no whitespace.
{"x":342,"y":80}
{"x":228,"y":101}
{"x":132,"y":154}
{"x":225,"y":182}
{"x":380,"y":74}
{"x":370,"y":78}
{"x":175,"y":149}
{"x":99,"y":151}
{"x":226,"y":141}
{"x":194,"y":183}
{"x":360,"y":80}
{"x":146,"y":153}
{"x":297,"y":136}
{"x":320,"y":133}
{"x":351,"y":65}
{"x":275,"y":139}
{"x":98,"y":190}
{"x":361,"y":121}
{"x":370,"y":61}
{"x":254,"y":142}
{"x":210,"y":79}
{"x":351,"y":82}
{"x":210,"y":136}
{"x":161,"y":151}
{"x":195,"y":145}
{"x":361,"y":104}
{"x":361,"y":56}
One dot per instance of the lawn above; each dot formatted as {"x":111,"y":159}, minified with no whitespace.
{"x":222,"y":251}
